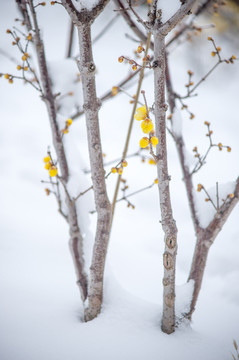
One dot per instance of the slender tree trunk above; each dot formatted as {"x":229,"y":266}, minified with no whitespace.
{"x":168,"y":223}
{"x":76,"y":241}
{"x":198,"y":268}
{"x":76,"y":249}
{"x":103,"y":208}
{"x":205,"y":238}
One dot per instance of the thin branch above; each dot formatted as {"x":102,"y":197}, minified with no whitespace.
{"x":135,"y":192}
{"x":70,"y":41}
{"x":48,"y":95}
{"x":109,"y":94}
{"x":105,"y":28}
{"x":185,"y":27}
{"x":125,"y":150}
{"x":185,"y":9}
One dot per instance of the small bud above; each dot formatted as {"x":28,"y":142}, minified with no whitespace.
{"x":134,"y":67}
{"x":8,"y":31}
{"x":229,"y":149}
{"x":206,"y":123}
{"x":19,"y":67}
{"x":6,"y":76}
{"x":140,"y":49}
{"x":114,"y":90}
{"x":207,"y":199}
{"x":120,"y":59}
{"x":156,"y":181}
{"x":231,"y":196}
{"x":47,"y":191}
{"x":213,"y":53}
{"x":219,"y":49}
{"x":200,"y":187}
{"x":65,"y":131}
{"x":120,"y":170}
{"x":113,"y":170}
{"x":25,"y":68}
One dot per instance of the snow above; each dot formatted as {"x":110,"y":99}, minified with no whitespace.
{"x":205,"y":210}
{"x":41,"y":311}
{"x":85,"y":4}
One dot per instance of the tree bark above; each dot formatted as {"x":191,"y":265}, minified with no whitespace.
{"x":103,"y":208}
{"x":76,"y":241}
{"x":205,"y":238}
{"x":168,"y":223}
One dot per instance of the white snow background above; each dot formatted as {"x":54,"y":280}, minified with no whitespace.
{"x":40,"y":307}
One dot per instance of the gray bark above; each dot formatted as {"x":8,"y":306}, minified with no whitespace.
{"x":76,"y":241}
{"x":168,"y":223}
{"x":103,"y":208}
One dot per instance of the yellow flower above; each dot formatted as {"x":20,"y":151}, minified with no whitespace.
{"x":154,"y":140}
{"x":120,"y":171}
{"x":147,"y":126}
{"x":141,"y":113}
{"x":47,"y":165}
{"x":144,"y":142}
{"x":68,"y":122}
{"x":156,"y":181}
{"x":47,"y":159}
{"x":152,"y":162}
{"x":113,"y":170}
{"x":53,"y":171}
{"x":124,"y":163}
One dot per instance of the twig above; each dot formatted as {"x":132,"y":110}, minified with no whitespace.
{"x":107,"y":27}
{"x":70,"y":41}
{"x":125,"y":150}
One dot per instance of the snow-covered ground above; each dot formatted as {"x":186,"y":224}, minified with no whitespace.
{"x":40,"y":308}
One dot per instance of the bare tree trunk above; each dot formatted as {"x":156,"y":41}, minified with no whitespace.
{"x":76,"y":241}
{"x":205,"y":238}
{"x":76,"y":249}
{"x":103,"y":208}
{"x":198,"y":268}
{"x":168,"y":223}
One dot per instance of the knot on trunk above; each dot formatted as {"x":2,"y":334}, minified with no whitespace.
{"x":171,"y":242}
{"x":167,"y":260}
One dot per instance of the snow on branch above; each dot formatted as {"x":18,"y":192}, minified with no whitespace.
{"x":84,"y":11}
